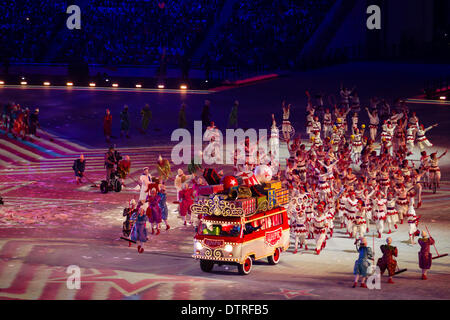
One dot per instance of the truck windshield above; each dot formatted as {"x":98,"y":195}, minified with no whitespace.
{"x":223,"y":230}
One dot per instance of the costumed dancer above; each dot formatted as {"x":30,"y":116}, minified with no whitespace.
{"x":154,"y":211}
{"x":410,"y":138}
{"x":351,"y":208}
{"x":128,"y":214}
{"x":146,"y":114}
{"x":123,"y":169}
{"x":435,"y":171}
{"x":163,"y":204}
{"x":357,"y":145}
{"x":402,"y":202}
{"x":391,"y":213}
{"x":413,"y":220}
{"x":320,"y":228}
{"x":425,"y":257}
{"x":107,"y":125}
{"x":422,"y":140}
{"x":298,"y":225}
{"x":359,"y":223}
{"x":327,"y":123}
{"x":163,"y":167}
{"x":186,"y":198}
{"x":139,"y":232}
{"x":286,"y":127}
{"x":145,"y":179}
{"x":380,"y":212}
{"x":387,"y":261}
{"x":362,"y":264}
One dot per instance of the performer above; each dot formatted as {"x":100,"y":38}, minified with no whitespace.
{"x":186,"y":198}
{"x":146,"y":114}
{"x":410,"y":138}
{"x":422,"y":140}
{"x":362,"y":264}
{"x":163,"y":204}
{"x":154,"y":211}
{"x":320,"y":228}
{"x":123,"y":169}
{"x":78,"y":167}
{"x":435,"y":171}
{"x":351,"y":208}
{"x":110,"y":162}
{"x":359,"y":223}
{"x":107,"y":125}
{"x":145,"y":179}
{"x":128,"y":213}
{"x":298,"y":225}
{"x":182,"y":123}
{"x":387,"y":261}
{"x":206,"y":114}
{"x":357,"y":145}
{"x":34,"y":123}
{"x":233,"y":118}
{"x":139,"y":232}
{"x":286,"y":127}
{"x":424,"y":168}
{"x":124,"y":122}
{"x":327,"y":123}
{"x":163,"y":167}
{"x":413,"y":220}
{"x":402,"y":202}
{"x":380,"y":212}
{"x":391,"y":213}
{"x":425,"y":257}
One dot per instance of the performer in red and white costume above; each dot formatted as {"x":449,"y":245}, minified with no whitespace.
{"x":422,"y":140}
{"x":359,"y":224}
{"x":413,"y":220}
{"x":351,"y":208}
{"x":374,"y":121}
{"x":391,"y":213}
{"x":327,"y":123}
{"x":380,"y":212}
{"x":320,"y":228}
{"x":299,"y":227}
{"x":402,"y":202}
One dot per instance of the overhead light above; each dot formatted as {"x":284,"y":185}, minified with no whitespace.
{"x":2,"y":82}
{"x":160,"y":86}
{"x":23,"y":78}
{"x":69,"y":84}
{"x":139,"y":85}
{"x":23,"y":83}
{"x":46,"y":83}
{"x":443,"y":98}
{"x":92,"y":84}
{"x":115,"y":85}
{"x":183,"y":87}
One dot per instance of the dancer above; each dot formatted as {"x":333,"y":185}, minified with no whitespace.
{"x":422,"y":140}
{"x":387,"y":261}
{"x":298,"y":225}
{"x":425,"y":257}
{"x":380,"y":212}
{"x":154,"y":210}
{"x":78,"y":167}
{"x":107,"y":125}
{"x":146,"y":114}
{"x":163,"y":205}
{"x":362,"y":264}
{"x":139,"y":232}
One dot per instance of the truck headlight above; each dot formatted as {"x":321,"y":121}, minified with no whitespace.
{"x":228,"y":248}
{"x":198,"y":246}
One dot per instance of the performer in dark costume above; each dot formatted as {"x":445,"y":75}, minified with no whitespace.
{"x":78,"y":167}
{"x":425,"y":257}
{"x":387,"y":261}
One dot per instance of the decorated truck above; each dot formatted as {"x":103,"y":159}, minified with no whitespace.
{"x":241,"y":221}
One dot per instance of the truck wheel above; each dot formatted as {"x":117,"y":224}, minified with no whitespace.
{"x":206,"y":265}
{"x":246,"y":267}
{"x":104,"y":186}
{"x":275,"y":258}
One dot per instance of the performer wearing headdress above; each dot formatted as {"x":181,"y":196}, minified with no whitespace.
{"x":320,"y":228}
{"x":387,"y":261}
{"x":163,"y":204}
{"x":391,"y":213}
{"x":413,"y":220}
{"x":186,"y":198}
{"x":327,"y":123}
{"x":402,"y":202}
{"x":154,"y":210}
{"x":139,"y":232}
{"x":380,"y":212}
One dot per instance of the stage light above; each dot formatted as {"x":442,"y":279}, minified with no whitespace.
{"x":46,"y":83}
{"x":115,"y":85}
{"x":139,"y":85}
{"x":23,"y":78}
{"x":160,"y":86}
{"x":2,"y":82}
{"x":24,"y":83}
{"x":91,"y":84}
{"x":443,"y":98}
{"x":69,"y":84}
{"x":183,"y":87}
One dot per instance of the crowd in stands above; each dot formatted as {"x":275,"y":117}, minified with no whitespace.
{"x":267,"y":33}
{"x":27,"y":27}
{"x":127,"y":32}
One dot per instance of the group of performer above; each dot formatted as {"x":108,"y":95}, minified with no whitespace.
{"x":339,"y":178}
{"x":20,"y":121}
{"x":341,"y":181}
